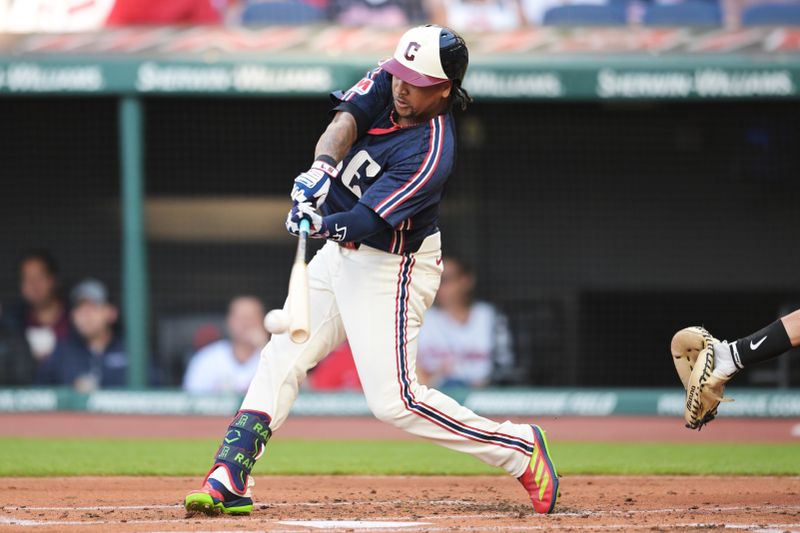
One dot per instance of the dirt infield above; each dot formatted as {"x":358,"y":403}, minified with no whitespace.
{"x":588,"y":503}
{"x":398,"y":503}
{"x":595,"y":429}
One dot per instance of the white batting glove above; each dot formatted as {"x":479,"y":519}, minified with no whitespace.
{"x":299,"y":211}
{"x":312,"y":185}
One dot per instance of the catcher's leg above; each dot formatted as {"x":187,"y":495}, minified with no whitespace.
{"x":283,"y":366}
{"x":382,"y":299}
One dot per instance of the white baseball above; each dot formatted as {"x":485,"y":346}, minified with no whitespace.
{"x":277,"y":321}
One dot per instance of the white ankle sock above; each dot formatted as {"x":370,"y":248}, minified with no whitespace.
{"x":724,"y":367}
{"x":221,"y":475}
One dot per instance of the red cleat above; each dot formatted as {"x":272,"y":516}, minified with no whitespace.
{"x":540,"y":478}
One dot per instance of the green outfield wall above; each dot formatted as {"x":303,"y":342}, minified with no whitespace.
{"x":507,"y":402}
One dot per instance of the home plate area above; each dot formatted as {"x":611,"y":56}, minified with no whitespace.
{"x":408,"y":503}
{"x":351,"y":524}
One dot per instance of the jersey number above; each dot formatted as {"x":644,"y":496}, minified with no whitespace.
{"x":359,"y":173}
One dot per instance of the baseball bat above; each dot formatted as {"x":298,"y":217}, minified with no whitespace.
{"x":299,"y":328}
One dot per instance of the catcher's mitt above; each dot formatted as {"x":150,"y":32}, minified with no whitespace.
{"x":693,"y":355}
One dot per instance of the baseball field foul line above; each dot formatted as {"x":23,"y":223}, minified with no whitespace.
{"x":756,"y":528}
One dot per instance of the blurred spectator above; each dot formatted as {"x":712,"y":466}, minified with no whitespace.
{"x":41,"y":315}
{"x":462,"y":342}
{"x":93,"y":356}
{"x":30,"y":16}
{"x":280,"y":12}
{"x":376,"y":13}
{"x":229,"y":365}
{"x":477,"y":15}
{"x":163,"y":12}
{"x":336,"y":372}
{"x":733,"y":9}
{"x":534,"y":10}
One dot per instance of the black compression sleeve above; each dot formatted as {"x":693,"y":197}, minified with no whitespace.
{"x":354,"y":225}
{"x":764,"y":344}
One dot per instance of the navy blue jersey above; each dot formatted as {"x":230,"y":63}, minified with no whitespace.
{"x":399,"y":173}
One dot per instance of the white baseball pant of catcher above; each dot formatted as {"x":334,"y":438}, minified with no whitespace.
{"x":377,"y":300}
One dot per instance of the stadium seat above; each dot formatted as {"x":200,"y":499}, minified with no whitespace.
{"x":180,"y":336}
{"x":587,"y":15}
{"x":772,"y":15}
{"x":17,"y":365}
{"x":280,"y":12}
{"x":539,"y":330}
{"x":695,"y":13}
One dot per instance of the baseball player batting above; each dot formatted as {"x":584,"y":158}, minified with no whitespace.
{"x":373,"y":192}
{"x":705,"y":364}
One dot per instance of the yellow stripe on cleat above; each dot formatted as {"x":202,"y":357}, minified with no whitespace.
{"x":537,"y":476}
{"x":543,"y":485}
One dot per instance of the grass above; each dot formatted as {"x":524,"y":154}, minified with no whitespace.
{"x":174,"y":457}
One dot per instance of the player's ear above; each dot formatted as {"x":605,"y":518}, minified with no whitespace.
{"x":447,"y":88}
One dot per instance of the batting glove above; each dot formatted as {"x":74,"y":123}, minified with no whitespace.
{"x":312,"y":185}
{"x":319,"y":230}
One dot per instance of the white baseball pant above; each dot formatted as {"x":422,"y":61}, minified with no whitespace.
{"x":377,"y":300}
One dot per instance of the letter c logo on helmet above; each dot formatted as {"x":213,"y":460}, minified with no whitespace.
{"x":411,"y":50}
{"x":429,"y":55}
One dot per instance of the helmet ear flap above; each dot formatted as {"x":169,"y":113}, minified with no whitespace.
{"x":453,"y":55}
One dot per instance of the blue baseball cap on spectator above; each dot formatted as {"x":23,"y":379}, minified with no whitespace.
{"x":91,"y":290}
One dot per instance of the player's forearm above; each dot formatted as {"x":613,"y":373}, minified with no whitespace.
{"x":338,"y":137}
{"x":792,"y":324}
{"x":354,"y":225}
